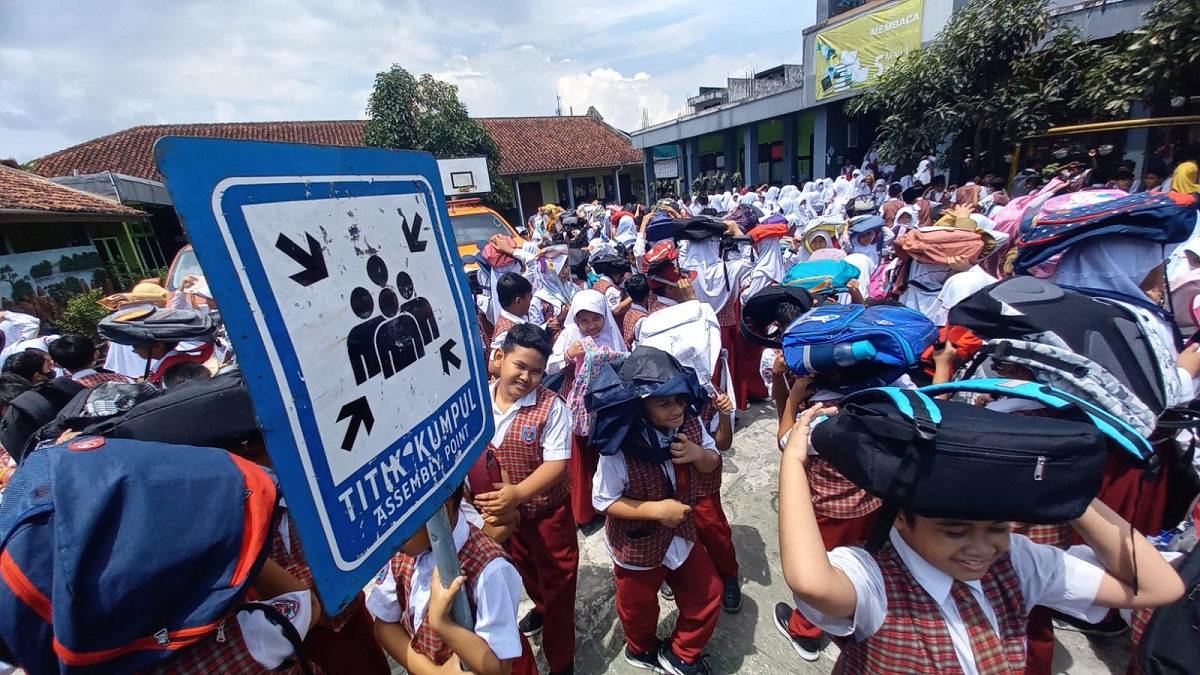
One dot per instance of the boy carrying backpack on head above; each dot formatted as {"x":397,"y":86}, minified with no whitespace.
{"x":947,"y":594}
{"x":647,"y":484}
{"x":412,"y":609}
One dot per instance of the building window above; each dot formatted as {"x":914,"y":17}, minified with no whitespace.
{"x":852,"y":134}
{"x":150,"y":256}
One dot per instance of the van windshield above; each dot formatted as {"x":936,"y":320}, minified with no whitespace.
{"x":471,"y":228}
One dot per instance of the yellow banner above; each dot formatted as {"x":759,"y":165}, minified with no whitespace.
{"x":857,"y":53}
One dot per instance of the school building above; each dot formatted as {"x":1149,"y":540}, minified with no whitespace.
{"x":787,"y":124}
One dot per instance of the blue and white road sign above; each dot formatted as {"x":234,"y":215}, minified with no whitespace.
{"x":339,"y":281}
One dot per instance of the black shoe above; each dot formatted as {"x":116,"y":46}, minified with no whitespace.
{"x":673,"y":665}
{"x":667,"y":593}
{"x":1112,"y":625}
{"x":643,"y":660}
{"x":806,"y":648}
{"x":731,"y":596}
{"x":532,"y":623}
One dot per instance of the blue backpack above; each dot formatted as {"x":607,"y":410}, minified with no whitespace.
{"x":822,"y":277}
{"x":115,"y":554}
{"x":834,"y":337}
{"x":1151,"y":216}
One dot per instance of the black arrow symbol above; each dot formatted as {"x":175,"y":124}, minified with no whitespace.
{"x":312,"y":260}
{"x":448,"y":357}
{"x":412,"y":235}
{"x":359,"y":412}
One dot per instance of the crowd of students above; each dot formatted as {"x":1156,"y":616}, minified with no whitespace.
{"x":621,"y":343}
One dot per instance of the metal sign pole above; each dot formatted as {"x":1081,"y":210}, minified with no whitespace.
{"x":445,"y":555}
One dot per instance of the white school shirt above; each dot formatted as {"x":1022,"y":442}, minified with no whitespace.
{"x":612,"y":480}
{"x":497,"y":597}
{"x":498,"y":338}
{"x":956,"y":289}
{"x":556,"y":435}
{"x":1048,"y":576}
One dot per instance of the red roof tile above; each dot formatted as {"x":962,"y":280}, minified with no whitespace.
{"x":527,"y":144}
{"x":21,"y":191}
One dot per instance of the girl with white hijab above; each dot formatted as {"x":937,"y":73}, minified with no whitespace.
{"x":716,"y":279}
{"x":553,"y":289}
{"x":1130,"y":272}
{"x":770,"y":268}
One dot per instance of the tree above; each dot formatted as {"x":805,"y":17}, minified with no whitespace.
{"x":999,"y":71}
{"x":410,"y":114}
{"x":1150,"y":64}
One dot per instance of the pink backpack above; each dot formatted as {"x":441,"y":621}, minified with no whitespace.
{"x":1008,"y":221}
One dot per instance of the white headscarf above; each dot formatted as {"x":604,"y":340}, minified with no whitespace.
{"x":924,"y":283}
{"x":866,"y":266}
{"x":710,"y":285}
{"x":912,"y":224}
{"x":550,"y":286}
{"x":869,"y":251}
{"x":626,"y":231}
{"x":1115,"y":264}
{"x":769,"y":269}
{"x":488,"y":278}
{"x":590,"y":301}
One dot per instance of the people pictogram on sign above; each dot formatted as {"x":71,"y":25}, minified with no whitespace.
{"x":419,"y":307}
{"x":396,"y":338}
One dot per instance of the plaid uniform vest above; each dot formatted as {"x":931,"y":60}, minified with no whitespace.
{"x":709,"y":483}
{"x":503,"y":325}
{"x":297,"y":565}
{"x":97,"y":379}
{"x":834,"y":496}
{"x":520,"y":454}
{"x":485,"y":327}
{"x":602,"y":285}
{"x":476,"y":553}
{"x":727,"y":315}
{"x":914,"y":637}
{"x":644,"y":543}
{"x":629,"y":323}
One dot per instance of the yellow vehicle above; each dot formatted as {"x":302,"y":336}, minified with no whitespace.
{"x":474,"y":223}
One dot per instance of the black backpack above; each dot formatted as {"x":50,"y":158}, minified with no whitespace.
{"x":31,"y":411}
{"x":1171,"y":642}
{"x":1106,"y":334}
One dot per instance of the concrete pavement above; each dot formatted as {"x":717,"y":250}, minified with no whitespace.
{"x":748,"y":642}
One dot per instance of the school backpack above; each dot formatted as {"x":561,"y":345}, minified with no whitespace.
{"x":148,"y":324}
{"x":33,"y":410}
{"x":1170,"y":644}
{"x":937,"y":245}
{"x":1163,"y":218}
{"x":1184,"y":289}
{"x":1088,"y":346}
{"x":948,"y":459}
{"x":833,"y":337}
{"x":689,"y":332}
{"x":759,"y":311}
{"x":821,"y":277}
{"x":116,"y":554}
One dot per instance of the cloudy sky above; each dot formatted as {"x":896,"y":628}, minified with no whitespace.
{"x":72,"y":70}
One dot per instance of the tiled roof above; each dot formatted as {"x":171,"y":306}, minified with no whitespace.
{"x":540,"y":144}
{"x":21,"y":191}
{"x":527,"y":144}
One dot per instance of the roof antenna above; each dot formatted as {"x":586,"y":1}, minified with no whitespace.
{"x":558,"y":109}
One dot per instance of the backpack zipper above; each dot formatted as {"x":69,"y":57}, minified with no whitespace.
{"x":1040,"y":469}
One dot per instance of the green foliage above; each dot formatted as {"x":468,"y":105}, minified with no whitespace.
{"x":65,"y":289}
{"x":410,"y":114}
{"x":41,"y":270}
{"x":82,"y":313}
{"x":1159,"y":60}
{"x":982,"y":84}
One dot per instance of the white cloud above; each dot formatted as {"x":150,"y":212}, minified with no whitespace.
{"x":143,"y":62}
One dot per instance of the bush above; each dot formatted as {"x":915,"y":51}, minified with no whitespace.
{"x":42,"y":270}
{"x":82,"y":313}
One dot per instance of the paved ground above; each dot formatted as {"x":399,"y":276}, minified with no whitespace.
{"x":748,"y":642}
